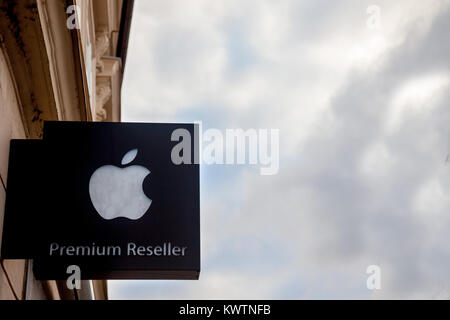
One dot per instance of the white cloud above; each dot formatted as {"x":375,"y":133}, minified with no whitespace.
{"x":364,"y":136}
{"x":415,"y":97}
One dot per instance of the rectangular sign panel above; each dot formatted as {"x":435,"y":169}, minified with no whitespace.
{"x":111,"y":198}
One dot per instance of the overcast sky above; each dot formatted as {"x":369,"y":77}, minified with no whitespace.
{"x":364,"y":123}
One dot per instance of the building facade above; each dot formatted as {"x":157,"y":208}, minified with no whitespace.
{"x":59,"y":60}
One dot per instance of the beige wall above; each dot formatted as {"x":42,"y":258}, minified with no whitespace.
{"x":11,"y":125}
{"x":12,"y":273}
{"x":43,"y":77}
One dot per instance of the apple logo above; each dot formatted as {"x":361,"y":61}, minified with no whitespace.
{"x":117,"y":192}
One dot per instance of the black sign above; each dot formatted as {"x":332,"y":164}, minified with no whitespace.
{"x":107,"y":197}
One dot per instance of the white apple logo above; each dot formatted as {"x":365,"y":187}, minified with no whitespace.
{"x":117,"y":192}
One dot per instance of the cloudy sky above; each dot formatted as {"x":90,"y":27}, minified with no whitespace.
{"x":364,"y":121}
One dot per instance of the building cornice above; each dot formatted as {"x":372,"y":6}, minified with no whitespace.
{"x":124,"y":33}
